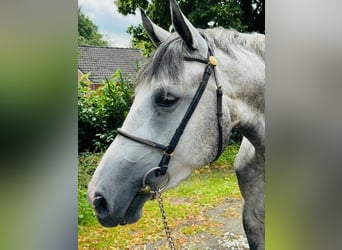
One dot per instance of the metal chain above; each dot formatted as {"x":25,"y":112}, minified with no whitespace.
{"x":166,"y":227}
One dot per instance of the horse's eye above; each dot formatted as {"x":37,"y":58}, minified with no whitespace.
{"x":165,"y":99}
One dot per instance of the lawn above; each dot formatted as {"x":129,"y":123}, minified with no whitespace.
{"x":185,"y":207}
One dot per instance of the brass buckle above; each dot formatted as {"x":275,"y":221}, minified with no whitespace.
{"x":167,"y":154}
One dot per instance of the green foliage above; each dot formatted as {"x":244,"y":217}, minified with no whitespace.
{"x":101,"y":111}
{"x":253,"y":15}
{"x":226,"y":14}
{"x":129,"y":7}
{"x":85,"y":212}
{"x":87,"y":163}
{"x":235,"y":137}
{"x":240,"y":15}
{"x":87,"y":32}
{"x":140,"y":40}
{"x":228,"y":156}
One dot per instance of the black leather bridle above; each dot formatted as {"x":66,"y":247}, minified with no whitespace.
{"x":169,"y":149}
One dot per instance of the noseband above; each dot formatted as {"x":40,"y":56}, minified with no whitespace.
{"x":169,"y":149}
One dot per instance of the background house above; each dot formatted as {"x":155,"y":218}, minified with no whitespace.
{"x":102,"y":62}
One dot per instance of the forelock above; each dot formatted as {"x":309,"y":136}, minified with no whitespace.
{"x":165,"y":64}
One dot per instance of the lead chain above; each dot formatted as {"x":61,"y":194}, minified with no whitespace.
{"x":166,"y":227}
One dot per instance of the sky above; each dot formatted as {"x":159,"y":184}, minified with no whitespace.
{"x":111,"y":24}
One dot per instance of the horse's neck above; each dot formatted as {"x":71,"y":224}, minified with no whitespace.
{"x":251,"y":124}
{"x":244,"y":87}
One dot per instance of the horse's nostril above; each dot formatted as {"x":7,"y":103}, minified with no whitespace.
{"x":100,"y":205}
{"x":98,"y":200}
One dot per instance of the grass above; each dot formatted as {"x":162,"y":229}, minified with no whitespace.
{"x":185,"y":207}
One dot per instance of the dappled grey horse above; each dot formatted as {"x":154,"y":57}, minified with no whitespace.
{"x":195,"y":88}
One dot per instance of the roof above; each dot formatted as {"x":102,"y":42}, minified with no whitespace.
{"x":102,"y":62}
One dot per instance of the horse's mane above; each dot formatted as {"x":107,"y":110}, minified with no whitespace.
{"x":167,"y":61}
{"x":228,"y":40}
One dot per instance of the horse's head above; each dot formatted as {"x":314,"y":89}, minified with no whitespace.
{"x":166,"y":87}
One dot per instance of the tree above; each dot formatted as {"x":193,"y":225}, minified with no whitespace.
{"x":253,"y":14}
{"x":87,"y":32}
{"x":237,"y":14}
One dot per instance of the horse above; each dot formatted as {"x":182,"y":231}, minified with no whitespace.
{"x":198,"y":85}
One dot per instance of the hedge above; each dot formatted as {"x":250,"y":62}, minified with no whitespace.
{"x":101,"y":111}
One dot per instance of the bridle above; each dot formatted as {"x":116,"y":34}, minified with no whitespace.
{"x":169,"y":149}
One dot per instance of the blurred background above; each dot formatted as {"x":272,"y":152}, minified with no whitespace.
{"x":38,"y":110}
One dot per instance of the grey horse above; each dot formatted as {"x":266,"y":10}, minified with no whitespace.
{"x":167,"y":84}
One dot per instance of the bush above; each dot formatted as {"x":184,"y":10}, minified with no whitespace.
{"x":87,"y":163}
{"x":235,"y":137}
{"x":101,"y":111}
{"x":85,"y":212}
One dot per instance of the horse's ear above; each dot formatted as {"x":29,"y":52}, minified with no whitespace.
{"x":185,"y":29}
{"x":155,"y":33}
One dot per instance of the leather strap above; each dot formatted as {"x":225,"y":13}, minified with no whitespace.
{"x":142,"y":141}
{"x":168,"y":150}
{"x":219,"y":114}
{"x":179,"y":131}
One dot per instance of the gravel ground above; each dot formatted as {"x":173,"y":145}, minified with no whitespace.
{"x":228,"y":235}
